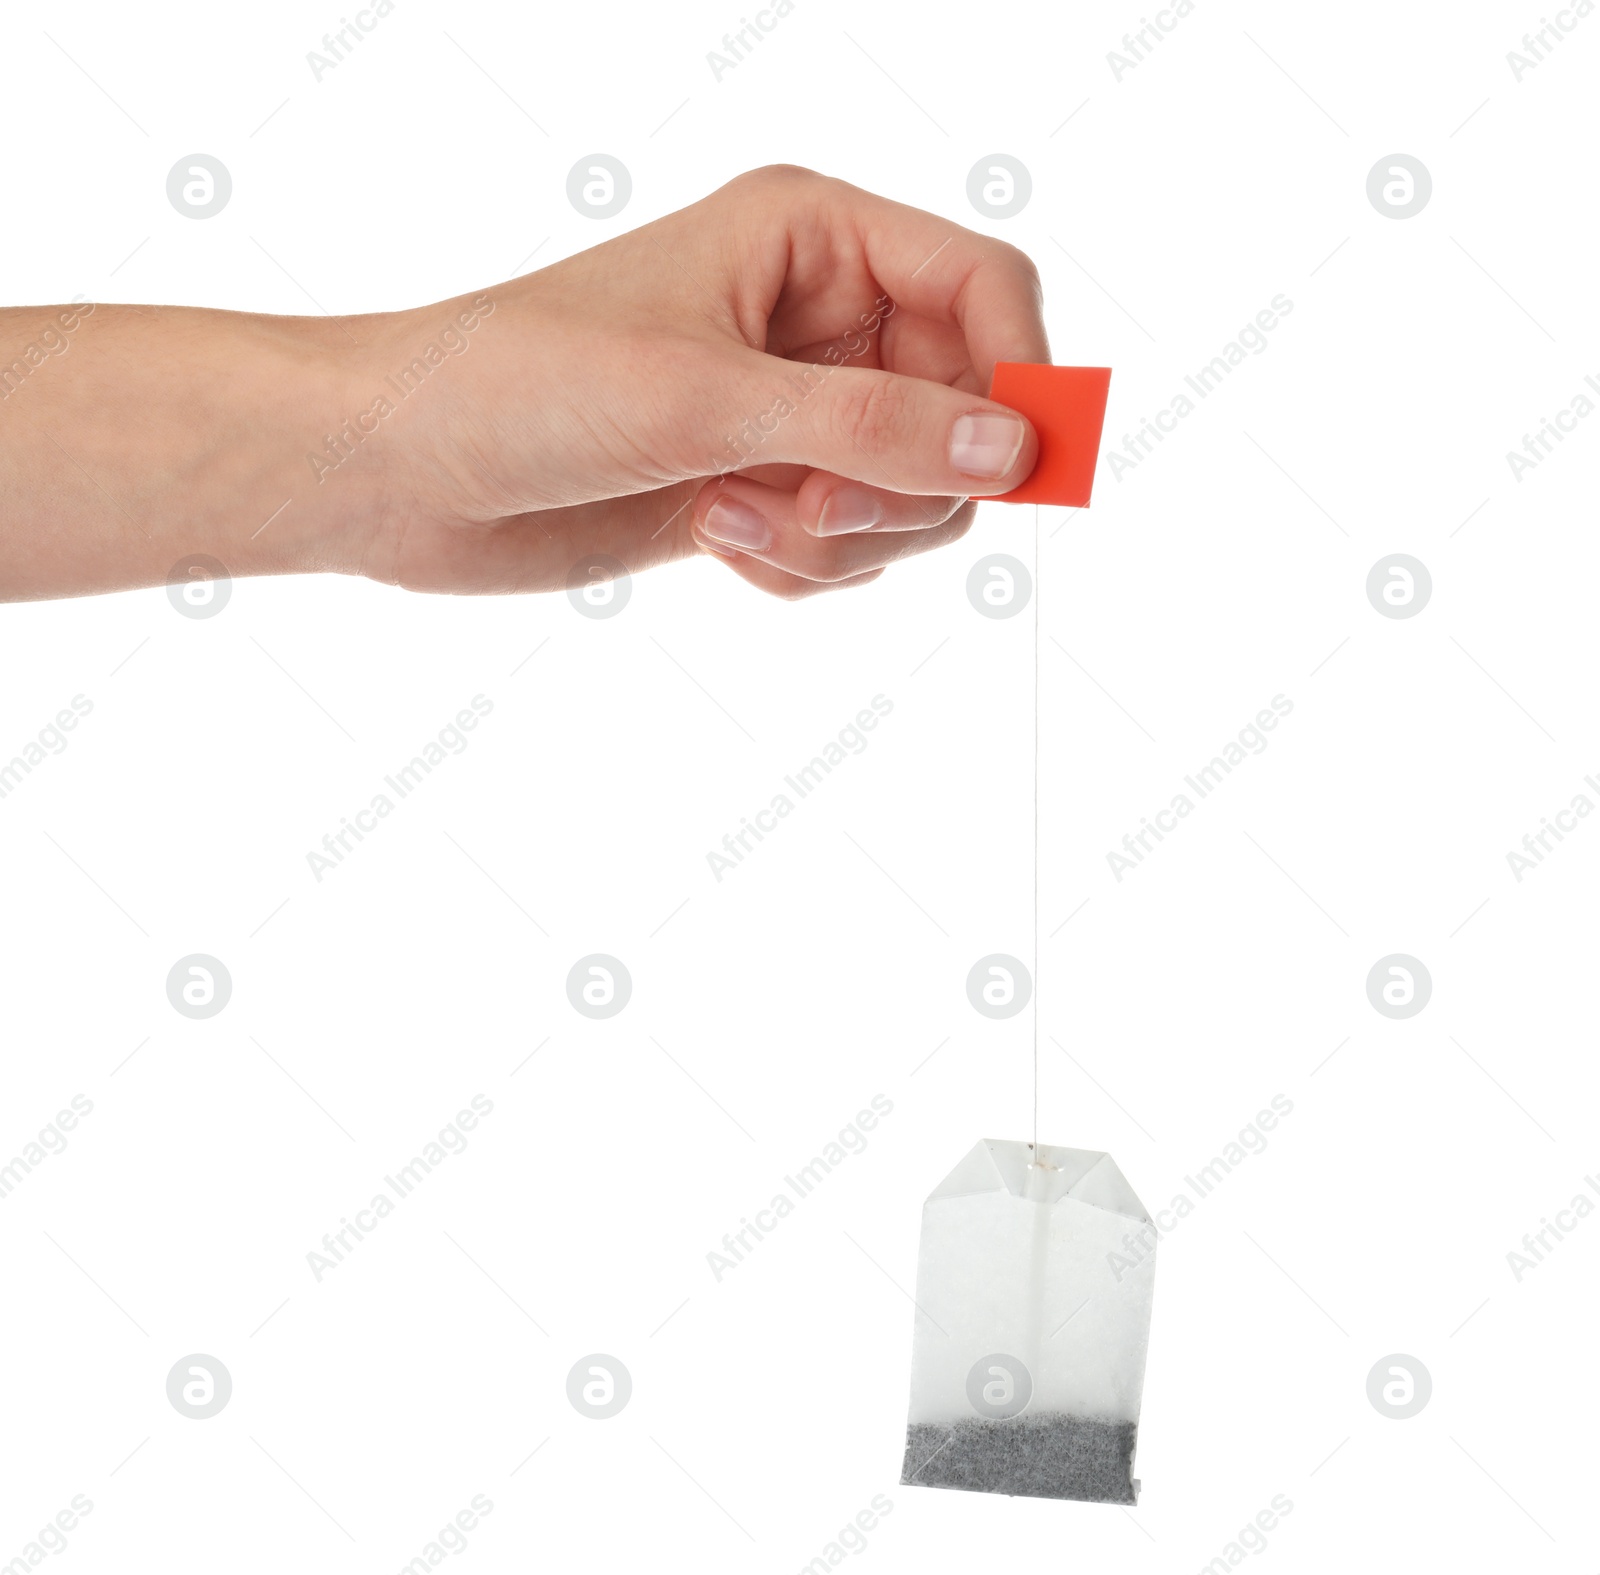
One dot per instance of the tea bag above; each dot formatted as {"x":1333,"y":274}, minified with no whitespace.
{"x":1033,"y":1316}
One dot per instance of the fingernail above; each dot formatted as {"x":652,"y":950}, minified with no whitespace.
{"x":848,"y":509}
{"x":986,"y":443}
{"x":736,"y":524}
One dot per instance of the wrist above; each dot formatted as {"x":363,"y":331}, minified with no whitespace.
{"x":400,"y":408}
{"x":321,"y":483}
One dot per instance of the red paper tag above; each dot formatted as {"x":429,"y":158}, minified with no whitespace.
{"x":1067,"y":406}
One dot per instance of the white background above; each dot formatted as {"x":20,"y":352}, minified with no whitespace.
{"x":1168,"y":208}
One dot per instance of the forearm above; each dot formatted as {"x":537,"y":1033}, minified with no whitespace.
{"x":134,"y":437}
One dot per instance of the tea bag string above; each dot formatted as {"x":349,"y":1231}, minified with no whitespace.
{"x":1038,"y":579}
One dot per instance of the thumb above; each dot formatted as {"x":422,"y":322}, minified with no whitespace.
{"x":904,"y":434}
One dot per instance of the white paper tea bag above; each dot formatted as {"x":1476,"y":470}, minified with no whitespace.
{"x":1033,"y":1317}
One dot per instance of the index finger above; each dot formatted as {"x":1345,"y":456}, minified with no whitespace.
{"x":939,"y":270}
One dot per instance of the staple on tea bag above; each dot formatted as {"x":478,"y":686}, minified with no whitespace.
{"x":1034,"y":1284}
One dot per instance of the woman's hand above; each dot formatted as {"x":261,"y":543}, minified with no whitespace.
{"x":788,"y":374}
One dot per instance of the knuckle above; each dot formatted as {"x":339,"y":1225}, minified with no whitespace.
{"x":1024,"y":265}
{"x":1012,"y":260}
{"x":931,"y":511}
{"x":834,"y":570}
{"x":799,"y":590}
{"x":873,"y":410}
{"x":838,"y":565}
{"x":815,"y":563}
{"x":774,"y":177}
{"x":959,"y":524}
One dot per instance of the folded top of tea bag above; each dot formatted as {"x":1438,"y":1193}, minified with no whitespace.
{"x":1086,"y":1175}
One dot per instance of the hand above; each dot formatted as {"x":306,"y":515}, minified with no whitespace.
{"x":788,"y":375}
